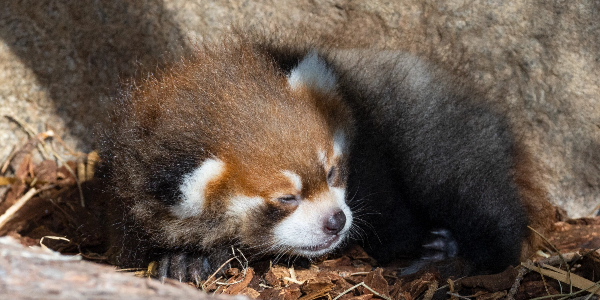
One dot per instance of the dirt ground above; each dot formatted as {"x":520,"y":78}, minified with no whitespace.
{"x":44,"y":205}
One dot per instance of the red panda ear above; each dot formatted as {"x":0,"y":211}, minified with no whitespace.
{"x":313,"y":73}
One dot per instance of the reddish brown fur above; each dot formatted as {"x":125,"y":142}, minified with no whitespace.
{"x":534,"y":198}
{"x":228,"y":101}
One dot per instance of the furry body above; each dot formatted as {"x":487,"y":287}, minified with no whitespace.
{"x":434,"y":162}
{"x":257,"y":146}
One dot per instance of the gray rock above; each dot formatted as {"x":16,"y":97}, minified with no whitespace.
{"x":61,"y":61}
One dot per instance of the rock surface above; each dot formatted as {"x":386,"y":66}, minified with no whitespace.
{"x":61,"y":61}
{"x":36,"y":273}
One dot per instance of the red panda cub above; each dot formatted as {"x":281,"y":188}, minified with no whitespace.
{"x":438,"y":171}
{"x":223,"y":149}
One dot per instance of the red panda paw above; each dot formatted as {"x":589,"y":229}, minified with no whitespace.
{"x":440,"y":246}
{"x":440,"y":249}
{"x":192,"y":267}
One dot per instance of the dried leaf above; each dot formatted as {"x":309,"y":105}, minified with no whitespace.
{"x":376,"y":281}
{"x":275,"y":276}
{"x":292,"y":292}
{"x":397,"y":292}
{"x":419,"y":286}
{"x":316,"y":293}
{"x":272,"y":294}
{"x":356,"y":252}
{"x":342,"y":261}
{"x":312,"y":287}
{"x":232,"y":272}
{"x":46,"y":171}
{"x":250,"y":292}
{"x":304,"y":275}
{"x":234,"y":289}
{"x":22,"y":171}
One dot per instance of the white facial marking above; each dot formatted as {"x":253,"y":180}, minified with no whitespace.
{"x":340,"y":197}
{"x":323,"y":158}
{"x":193,"y":188}
{"x":294,"y":178}
{"x":312,"y":72}
{"x":303,"y":229}
{"x":339,"y":143}
{"x":243,"y":205}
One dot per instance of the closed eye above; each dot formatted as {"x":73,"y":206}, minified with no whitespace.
{"x":288,"y":199}
{"x":331,"y":176}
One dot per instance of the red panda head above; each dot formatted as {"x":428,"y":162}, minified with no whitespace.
{"x":272,"y":174}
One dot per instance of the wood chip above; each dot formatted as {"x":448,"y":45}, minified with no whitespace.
{"x":376,"y":281}
{"x":234,"y":289}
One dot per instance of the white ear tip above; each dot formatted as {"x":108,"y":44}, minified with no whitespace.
{"x":313,"y":73}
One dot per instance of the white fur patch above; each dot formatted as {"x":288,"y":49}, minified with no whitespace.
{"x":339,"y":143}
{"x":243,"y":205}
{"x":294,"y":178}
{"x":193,"y":188}
{"x":312,"y":72}
{"x":323,"y":158}
{"x":304,"y":227}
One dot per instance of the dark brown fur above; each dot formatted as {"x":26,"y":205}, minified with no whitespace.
{"x":414,"y":139}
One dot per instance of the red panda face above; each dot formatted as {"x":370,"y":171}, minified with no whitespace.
{"x":278,"y":184}
{"x":297,"y":210}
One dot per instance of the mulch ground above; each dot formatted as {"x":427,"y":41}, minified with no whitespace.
{"x":43,"y":204}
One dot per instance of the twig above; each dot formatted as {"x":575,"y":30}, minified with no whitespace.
{"x":52,"y":238}
{"x":28,"y":129}
{"x":567,"y":296}
{"x":217,"y":271}
{"x":45,"y":148}
{"x":556,"y":259}
{"x":561,"y":275}
{"x":546,"y":284}
{"x":64,"y":145}
{"x":293,"y":280}
{"x":459,"y":296}
{"x":367,"y":287}
{"x":561,"y":258}
{"x":31,"y":132}
{"x":12,"y":154}
{"x":130,"y":270}
{"x":15,"y":207}
{"x":72,"y":173}
{"x":359,"y":273}
{"x":517,"y":283}
{"x":244,"y":267}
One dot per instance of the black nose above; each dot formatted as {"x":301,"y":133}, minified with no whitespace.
{"x":335,"y":223}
